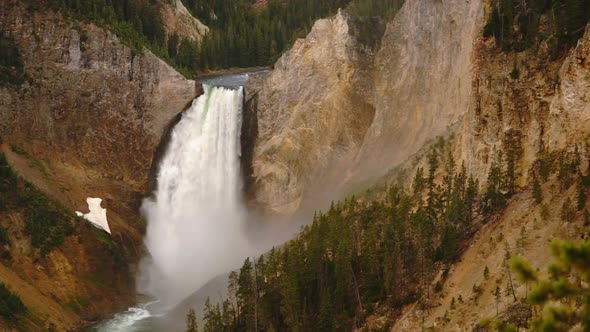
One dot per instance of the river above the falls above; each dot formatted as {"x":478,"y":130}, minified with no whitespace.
{"x":232,"y":80}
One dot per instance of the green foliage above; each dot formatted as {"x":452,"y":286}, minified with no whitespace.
{"x":11,"y":64}
{"x":537,"y":191}
{"x":46,"y":221}
{"x":515,"y":73}
{"x":240,"y":36}
{"x":4,"y":236}
{"x":371,"y":17}
{"x":567,"y":169}
{"x":494,"y":197}
{"x":438,"y":287}
{"x":568,"y":212}
{"x":583,"y":187}
{"x":524,"y":272}
{"x":515,"y":24}
{"x":212,"y":318}
{"x":191,"y":321}
{"x":10,"y":304}
{"x":137,"y":23}
{"x":354,"y":254}
{"x":563,"y":298}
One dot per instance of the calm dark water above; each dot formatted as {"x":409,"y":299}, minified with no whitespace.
{"x":232,"y":80}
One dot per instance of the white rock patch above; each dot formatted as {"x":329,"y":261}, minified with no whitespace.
{"x":97,"y":215}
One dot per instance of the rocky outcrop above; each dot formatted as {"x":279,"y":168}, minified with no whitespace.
{"x":333,"y":115}
{"x":422,"y":80}
{"x":89,"y":98}
{"x":526,"y":102}
{"x":541,"y":108}
{"x":312,"y":116}
{"x":331,"y":107}
{"x":178,"y":20}
{"x":86,"y":123}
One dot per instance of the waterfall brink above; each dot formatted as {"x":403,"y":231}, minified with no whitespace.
{"x":195,"y":221}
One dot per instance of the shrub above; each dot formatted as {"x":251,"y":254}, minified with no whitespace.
{"x":568,"y":212}
{"x":10,"y":303}
{"x":4,"y":236}
{"x":11,"y":64}
{"x":515,"y":73}
{"x":46,"y":221}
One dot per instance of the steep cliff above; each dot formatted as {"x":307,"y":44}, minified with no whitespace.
{"x":178,"y":20}
{"x":541,"y":110}
{"x":86,"y":122}
{"x":88,"y":96}
{"x":313,"y":112}
{"x":422,"y":80}
{"x":433,"y":75}
{"x":333,"y":107}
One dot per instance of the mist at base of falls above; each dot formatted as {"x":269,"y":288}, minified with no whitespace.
{"x":196,"y":220}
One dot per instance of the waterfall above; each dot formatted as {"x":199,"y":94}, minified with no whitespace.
{"x":195,"y":220}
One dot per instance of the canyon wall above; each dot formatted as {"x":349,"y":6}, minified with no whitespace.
{"x":87,"y":122}
{"x":178,"y":20}
{"x":89,"y":98}
{"x":313,"y":112}
{"x":335,"y":114}
{"x":433,"y":75}
{"x":543,"y":109}
{"x":423,"y":75}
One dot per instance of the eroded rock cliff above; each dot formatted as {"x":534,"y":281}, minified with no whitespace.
{"x":178,"y":20}
{"x":434,"y":75}
{"x":333,"y":114}
{"x":541,"y":110}
{"x":88,"y":97}
{"x":313,"y":112}
{"x":86,"y":122}
{"x":422,"y":79}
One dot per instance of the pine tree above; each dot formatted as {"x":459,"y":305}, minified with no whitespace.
{"x":191,"y":321}
{"x":581,"y":197}
{"x":497,"y":297}
{"x":494,"y":198}
{"x":563,"y":297}
{"x":537,"y":191}
{"x":509,"y":174}
{"x":173,"y":41}
{"x":568,"y":213}
{"x":470,"y":198}
{"x":246,"y":296}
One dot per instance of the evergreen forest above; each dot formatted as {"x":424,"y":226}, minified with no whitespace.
{"x":240,"y":34}
{"x":376,"y":250}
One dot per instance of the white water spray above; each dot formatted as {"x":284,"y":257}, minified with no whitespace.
{"x":196,"y":220}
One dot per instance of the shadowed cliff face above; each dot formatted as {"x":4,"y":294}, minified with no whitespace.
{"x":544,"y":109}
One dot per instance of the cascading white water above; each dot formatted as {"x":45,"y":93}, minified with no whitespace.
{"x":196,"y":217}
